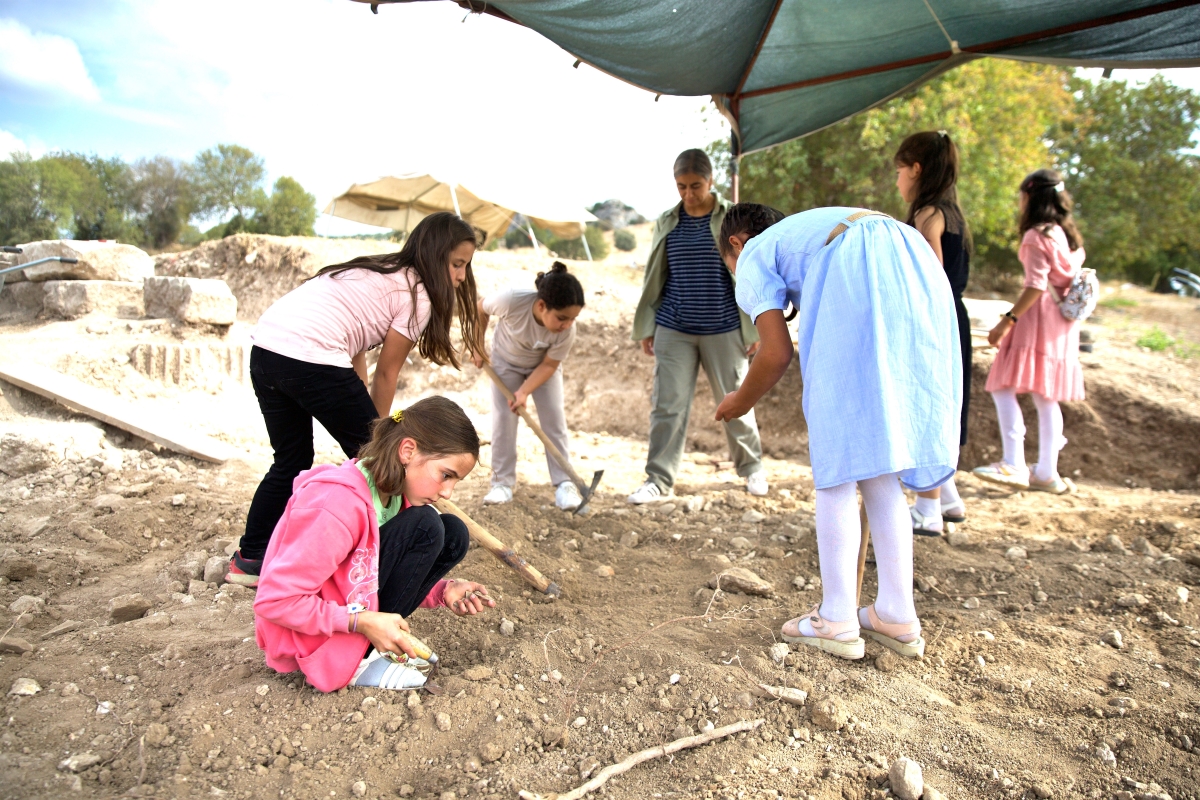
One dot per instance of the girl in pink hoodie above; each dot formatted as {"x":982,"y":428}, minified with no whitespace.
{"x":360,"y":547}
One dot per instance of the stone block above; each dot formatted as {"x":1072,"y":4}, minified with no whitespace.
{"x":98,"y":261}
{"x":24,"y":295}
{"x":127,"y":607}
{"x":194,"y":300}
{"x":73,"y":299}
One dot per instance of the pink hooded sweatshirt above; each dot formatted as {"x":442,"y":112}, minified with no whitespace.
{"x":323,"y":558}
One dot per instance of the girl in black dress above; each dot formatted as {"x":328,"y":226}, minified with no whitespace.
{"x":926,"y":175}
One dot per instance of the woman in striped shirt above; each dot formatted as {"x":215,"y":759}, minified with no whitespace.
{"x":688,"y":318}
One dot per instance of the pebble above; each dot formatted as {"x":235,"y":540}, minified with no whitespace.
{"x":262,"y":689}
{"x":887,"y":661}
{"x":214,"y":569}
{"x":108,"y":501}
{"x":1041,"y":596}
{"x":987,"y":636}
{"x":79,"y":762}
{"x":27,"y":604}
{"x":830,"y":714}
{"x":605,"y":571}
{"x":1113,"y":639}
{"x":1143,"y":546}
{"x":798,"y":581}
{"x":1127,"y":703}
{"x":178,"y":499}
{"x":443,"y":721}
{"x":18,"y":569}
{"x":1132,"y":601}
{"x":1106,"y":756}
{"x":779,"y":651}
{"x":1079,"y":545}
{"x":693,"y":504}
{"x":971,"y":602}
{"x":1181,"y":594}
{"x":740,"y":579}
{"x":958,"y":539}
{"x":753,"y":515}
{"x":11,"y":644}
{"x":1113,"y":544}
{"x":1042,"y":791}
{"x":506,"y":627}
{"x":580,"y":722}
{"x":126,"y":607}
{"x":740,"y":543}
{"x":24,"y":687}
{"x":1016,"y":554}
{"x":666,"y":509}
{"x":932,"y":794}
{"x":359,"y":788}
{"x":630,"y":539}
{"x":905,"y":778}
{"x":479,"y":673}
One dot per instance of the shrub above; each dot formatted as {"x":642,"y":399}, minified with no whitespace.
{"x":1155,"y":340}
{"x":624,"y":240}
{"x":573,"y":248}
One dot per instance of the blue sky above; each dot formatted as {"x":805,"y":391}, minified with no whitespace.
{"x":332,"y":95}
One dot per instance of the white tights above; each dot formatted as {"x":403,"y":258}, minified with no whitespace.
{"x":1012,"y":432}
{"x":838,"y":536}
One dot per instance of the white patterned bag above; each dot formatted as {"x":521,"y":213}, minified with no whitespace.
{"x":1080,"y":299}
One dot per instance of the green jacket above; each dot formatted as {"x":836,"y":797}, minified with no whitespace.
{"x":656,"y":273}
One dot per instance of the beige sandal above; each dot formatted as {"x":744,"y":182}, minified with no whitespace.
{"x":889,"y":634}
{"x":839,"y":638}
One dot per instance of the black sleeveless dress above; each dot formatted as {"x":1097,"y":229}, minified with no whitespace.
{"x":957,"y":263}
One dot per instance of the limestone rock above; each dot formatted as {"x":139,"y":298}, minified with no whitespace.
{"x":491,"y":752}
{"x":630,"y":539}
{"x":127,"y":607}
{"x":27,"y":604}
{"x":507,"y":628}
{"x":905,"y":778}
{"x":753,"y":515}
{"x":740,"y":543}
{"x":18,"y":569}
{"x":829,"y":713}
{"x":1113,"y":639}
{"x":26,"y":296}
{"x":73,"y":299}
{"x":98,"y":261}
{"x":156,"y":734}
{"x":214,"y":569}
{"x":194,"y":300}
{"x":443,"y":721}
{"x":478,"y":673}
{"x":79,"y":762}
{"x":604,"y":571}
{"x":11,"y":644}
{"x":1016,"y":554}
{"x":887,"y":661}
{"x":1132,"y":600}
{"x":958,"y":539}
{"x":740,"y":579}
{"x":779,"y":651}
{"x":1142,"y":545}
{"x":23,"y":455}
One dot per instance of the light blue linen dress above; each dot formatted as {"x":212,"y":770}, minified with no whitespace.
{"x":878,"y":343}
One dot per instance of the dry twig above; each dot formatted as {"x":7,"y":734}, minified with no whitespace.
{"x":646,"y":755}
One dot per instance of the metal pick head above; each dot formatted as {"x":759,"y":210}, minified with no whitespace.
{"x":582,"y":507}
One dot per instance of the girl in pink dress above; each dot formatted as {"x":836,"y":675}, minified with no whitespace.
{"x":1039,"y":347}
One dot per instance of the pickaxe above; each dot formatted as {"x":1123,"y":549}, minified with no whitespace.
{"x":585,"y":490}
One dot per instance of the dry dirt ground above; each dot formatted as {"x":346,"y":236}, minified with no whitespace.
{"x":1062,"y":662}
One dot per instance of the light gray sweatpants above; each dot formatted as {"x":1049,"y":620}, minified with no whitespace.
{"x":677,"y":357}
{"x":548,"y":399}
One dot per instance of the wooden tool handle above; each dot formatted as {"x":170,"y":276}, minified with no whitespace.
{"x":501,"y":551}
{"x":862,"y":548}
{"x":554,"y":452}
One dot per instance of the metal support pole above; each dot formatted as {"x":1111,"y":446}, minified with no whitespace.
{"x":583,"y":237}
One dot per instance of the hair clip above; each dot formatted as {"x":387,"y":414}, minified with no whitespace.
{"x":398,"y":415}
{"x":943,"y":134}
{"x":1060,"y":187}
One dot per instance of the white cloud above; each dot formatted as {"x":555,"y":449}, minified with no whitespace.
{"x":10,"y":144}
{"x":43,"y":66}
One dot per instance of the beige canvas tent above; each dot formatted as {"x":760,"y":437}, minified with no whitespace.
{"x":400,"y":203}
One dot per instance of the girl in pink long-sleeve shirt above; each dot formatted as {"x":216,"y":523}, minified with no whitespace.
{"x":360,"y":547}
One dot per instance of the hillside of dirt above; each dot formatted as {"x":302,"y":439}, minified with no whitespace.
{"x":1063,"y":658}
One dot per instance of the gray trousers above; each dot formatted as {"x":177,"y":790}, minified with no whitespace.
{"x":548,"y":399}
{"x":676,"y":359}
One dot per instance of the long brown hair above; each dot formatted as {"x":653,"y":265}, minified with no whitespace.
{"x":937,"y":185}
{"x":439,"y":427}
{"x":1049,"y":204}
{"x":426,"y":251}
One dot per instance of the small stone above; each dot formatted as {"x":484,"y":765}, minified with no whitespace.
{"x":798,"y":582}
{"x":359,"y":788}
{"x":1132,"y":601}
{"x":262,"y":690}
{"x":1113,"y":544}
{"x":779,"y":652}
{"x":971,"y":603}
{"x":958,"y":538}
{"x":18,"y":569}
{"x":79,"y":762}
{"x":590,"y":764}
{"x":27,"y":604}
{"x":740,"y":579}
{"x":579,"y":722}
{"x":1040,"y":597}
{"x":11,"y":644}
{"x":666,"y":509}
{"x":1142,"y":545}
{"x":1016,"y":554}
{"x":443,"y":721}
{"x":1127,"y":703}
{"x":215,"y":568}
{"x":110,"y":502}
{"x":126,"y":607}
{"x":932,"y":794}
{"x":479,"y":673}
{"x":905,"y":778}
{"x":406,"y":790}
{"x":1079,"y":545}
{"x":555,"y":735}
{"x":887,"y":661}
{"x":490,"y":752}
{"x":772,"y":552}
{"x":630,"y":539}
{"x":506,"y":627}
{"x":1106,"y":756}
{"x":1113,"y":639}
{"x":740,"y":543}
{"x":830,"y":714}
{"x":24,"y":687}
{"x":693,"y":504}
{"x":1181,"y":594}
{"x":753,"y":515}
{"x":1042,"y":791}
{"x":156,"y":734}
{"x":604,"y":571}
{"x":414,"y":700}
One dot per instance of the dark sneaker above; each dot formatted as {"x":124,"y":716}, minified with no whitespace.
{"x":243,"y":571}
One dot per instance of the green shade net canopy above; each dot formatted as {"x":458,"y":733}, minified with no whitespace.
{"x":781,"y":69}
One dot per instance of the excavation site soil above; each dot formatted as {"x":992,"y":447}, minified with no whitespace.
{"x":1063,"y":657}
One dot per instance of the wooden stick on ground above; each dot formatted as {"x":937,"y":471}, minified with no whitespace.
{"x":862,"y":549}
{"x":501,"y":551}
{"x":620,"y":767}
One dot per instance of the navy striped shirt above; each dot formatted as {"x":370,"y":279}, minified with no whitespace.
{"x":698,"y":297}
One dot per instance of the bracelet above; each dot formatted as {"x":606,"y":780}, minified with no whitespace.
{"x":1010,"y":315}
{"x":354,"y":622}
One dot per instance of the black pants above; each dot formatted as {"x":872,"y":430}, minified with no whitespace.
{"x":290,"y":395}
{"x":964,"y":342}
{"x":417,"y":548}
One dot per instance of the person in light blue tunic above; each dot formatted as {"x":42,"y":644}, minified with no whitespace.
{"x":881,"y":398}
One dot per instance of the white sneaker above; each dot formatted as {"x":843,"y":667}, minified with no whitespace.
{"x":756,"y":484}
{"x":567,"y":497}
{"x":649,"y":493}
{"x":498,"y":494}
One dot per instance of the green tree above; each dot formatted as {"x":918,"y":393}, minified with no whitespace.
{"x":228,"y":178}
{"x":162,"y":195}
{"x":1000,"y":114}
{"x":103,"y":205}
{"x":36,"y":198}
{"x":1136,"y":188}
{"x":289,"y":211}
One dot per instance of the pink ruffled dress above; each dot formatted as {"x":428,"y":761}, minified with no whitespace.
{"x":1041,"y":352}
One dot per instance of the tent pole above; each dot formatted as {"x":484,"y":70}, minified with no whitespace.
{"x":454,"y":199}
{"x":583,"y":236}
{"x":735,"y":160}
{"x":532,"y":238}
